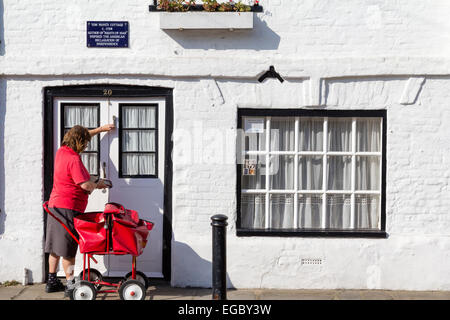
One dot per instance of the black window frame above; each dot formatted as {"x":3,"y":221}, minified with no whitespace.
{"x":121,"y":152}
{"x":242,"y":232}
{"x":63,"y":127}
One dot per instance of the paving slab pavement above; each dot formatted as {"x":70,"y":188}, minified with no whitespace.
{"x":160,"y":290}
{"x":9,"y":293}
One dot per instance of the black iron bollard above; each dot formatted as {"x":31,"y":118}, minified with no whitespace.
{"x":219,"y":265}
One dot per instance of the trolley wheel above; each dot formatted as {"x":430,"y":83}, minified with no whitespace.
{"x":84,"y":290}
{"x":94,"y":275}
{"x":140,"y":276}
{"x":132,"y":290}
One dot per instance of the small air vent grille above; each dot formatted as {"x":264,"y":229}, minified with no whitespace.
{"x":311,"y":261}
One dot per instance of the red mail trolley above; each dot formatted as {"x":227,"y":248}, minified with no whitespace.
{"x":114,"y":231}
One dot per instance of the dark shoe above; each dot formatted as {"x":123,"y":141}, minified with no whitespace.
{"x":68,"y":292}
{"x":55,"y":286}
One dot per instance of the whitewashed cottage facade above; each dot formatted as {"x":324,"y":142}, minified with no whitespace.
{"x":349,"y":190}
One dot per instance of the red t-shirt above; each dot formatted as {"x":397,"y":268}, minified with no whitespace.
{"x":69,"y":173}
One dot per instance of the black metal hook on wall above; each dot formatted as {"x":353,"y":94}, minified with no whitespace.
{"x":271,"y":73}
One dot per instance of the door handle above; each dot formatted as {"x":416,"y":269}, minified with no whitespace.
{"x":115,"y":121}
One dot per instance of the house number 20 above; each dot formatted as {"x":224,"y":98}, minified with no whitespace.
{"x":107,"y":92}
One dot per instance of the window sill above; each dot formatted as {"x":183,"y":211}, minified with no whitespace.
{"x":138,"y":176}
{"x":311,"y":233}
{"x":206,"y":20}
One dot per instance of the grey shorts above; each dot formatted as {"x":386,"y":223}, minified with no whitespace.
{"x":57,"y":240}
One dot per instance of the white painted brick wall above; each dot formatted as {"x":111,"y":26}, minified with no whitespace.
{"x":417,"y":220}
{"x":342,"y":54}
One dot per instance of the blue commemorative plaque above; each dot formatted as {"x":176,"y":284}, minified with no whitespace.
{"x":107,"y":34}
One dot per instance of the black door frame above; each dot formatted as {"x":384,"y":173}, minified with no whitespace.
{"x":114,"y":91}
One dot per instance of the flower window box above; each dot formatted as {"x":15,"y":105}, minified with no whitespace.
{"x":192,"y":16}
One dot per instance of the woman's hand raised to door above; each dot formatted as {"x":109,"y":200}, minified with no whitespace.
{"x":104,"y":128}
{"x":107,"y":127}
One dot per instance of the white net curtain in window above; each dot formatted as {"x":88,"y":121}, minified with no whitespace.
{"x":138,"y":140}
{"x":86,"y":116}
{"x":314,"y":181}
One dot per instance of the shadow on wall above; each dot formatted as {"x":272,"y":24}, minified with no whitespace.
{"x":2,"y":29}
{"x":2,"y":155}
{"x":261,"y":37}
{"x":190,"y":260}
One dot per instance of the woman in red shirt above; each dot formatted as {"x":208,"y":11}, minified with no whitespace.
{"x":72,"y":185}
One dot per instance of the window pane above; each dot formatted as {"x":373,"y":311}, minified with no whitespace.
{"x":254,"y":124}
{"x":339,"y":134}
{"x":368,"y":135}
{"x":339,"y":211}
{"x":130,"y":140}
{"x":254,"y":134}
{"x":254,"y":173}
{"x":255,"y":142}
{"x":310,"y":172}
{"x":147,"y":140}
{"x":367,"y":210}
{"x":281,"y":172}
{"x":85,"y":116}
{"x":90,"y":162}
{"x":310,"y":134}
{"x":130,"y":117}
{"x":135,"y":140}
{"x":93,"y":144}
{"x":253,"y":208}
{"x":147,"y":117}
{"x":282,"y":134}
{"x":138,"y":164}
{"x":310,"y":211}
{"x":367,"y":173}
{"x":130,"y":164}
{"x":147,"y":164}
{"x":339,"y":172}
{"x":139,"y":117}
{"x":282,"y":211}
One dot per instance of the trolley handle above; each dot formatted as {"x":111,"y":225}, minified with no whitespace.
{"x":45,"y":205}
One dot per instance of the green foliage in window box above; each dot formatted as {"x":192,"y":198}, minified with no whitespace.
{"x":226,"y":6}
{"x":207,"y":5}
{"x":210,"y":5}
{"x":175,"y":5}
{"x":241,"y":7}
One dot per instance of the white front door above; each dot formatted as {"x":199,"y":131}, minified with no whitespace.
{"x":132,"y":157}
